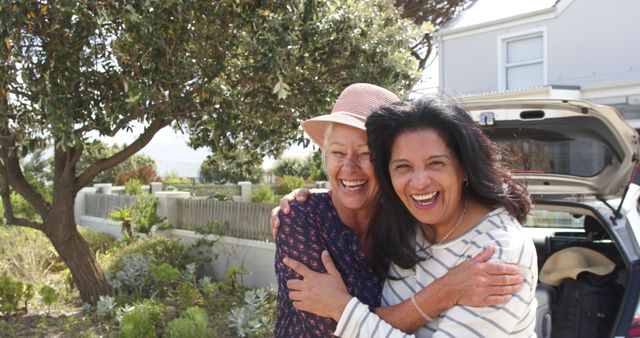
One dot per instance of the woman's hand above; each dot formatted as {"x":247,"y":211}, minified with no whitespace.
{"x":323,"y":294}
{"x":478,"y":282}
{"x":299,"y":195}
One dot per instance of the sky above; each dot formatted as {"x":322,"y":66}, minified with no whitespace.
{"x":172,"y":154}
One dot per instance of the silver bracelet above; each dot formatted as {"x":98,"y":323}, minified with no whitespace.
{"x":420,"y":311}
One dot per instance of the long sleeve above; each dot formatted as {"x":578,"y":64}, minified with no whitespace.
{"x":310,"y":228}
{"x":358,"y":321}
{"x":298,"y":238}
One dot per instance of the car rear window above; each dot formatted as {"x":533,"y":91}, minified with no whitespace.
{"x":538,"y":151}
{"x":554,"y":219}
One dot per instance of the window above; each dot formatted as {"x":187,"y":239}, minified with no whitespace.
{"x":522,"y":63}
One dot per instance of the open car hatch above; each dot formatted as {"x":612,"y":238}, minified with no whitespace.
{"x":561,"y":146}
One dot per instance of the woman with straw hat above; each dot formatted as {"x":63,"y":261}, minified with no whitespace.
{"x":338,"y":224}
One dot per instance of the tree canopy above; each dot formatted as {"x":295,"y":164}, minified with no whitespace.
{"x":236,"y":75}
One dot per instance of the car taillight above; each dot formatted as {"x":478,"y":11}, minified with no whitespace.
{"x":634,"y":330}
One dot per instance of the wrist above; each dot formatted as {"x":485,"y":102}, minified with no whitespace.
{"x":442,"y":298}
{"x":341,"y":305}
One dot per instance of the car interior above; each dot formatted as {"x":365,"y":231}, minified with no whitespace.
{"x":554,"y":228}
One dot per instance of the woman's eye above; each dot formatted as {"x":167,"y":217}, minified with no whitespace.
{"x":436,"y":164}
{"x":365,"y":156}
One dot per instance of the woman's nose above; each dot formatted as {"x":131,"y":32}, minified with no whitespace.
{"x":421,"y":178}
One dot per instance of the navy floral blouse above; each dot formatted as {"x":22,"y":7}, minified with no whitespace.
{"x":310,"y":228}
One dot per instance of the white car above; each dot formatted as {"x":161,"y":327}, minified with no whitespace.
{"x":578,"y":160}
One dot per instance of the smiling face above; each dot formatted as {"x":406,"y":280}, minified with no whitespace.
{"x":427,"y":177}
{"x":350,"y":171}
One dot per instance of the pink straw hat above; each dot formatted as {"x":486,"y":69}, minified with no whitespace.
{"x":352,"y":108}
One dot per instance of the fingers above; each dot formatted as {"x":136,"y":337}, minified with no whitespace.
{"x":328,"y":264}
{"x":497,"y":268}
{"x":295,"y":284}
{"x":496,"y":300}
{"x":296,"y":266}
{"x":284,"y":203}
{"x":274,"y":221}
{"x":301,"y":194}
{"x":505,"y":280}
{"x":485,"y":255}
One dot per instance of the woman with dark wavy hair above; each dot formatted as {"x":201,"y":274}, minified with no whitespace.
{"x":445,"y":197}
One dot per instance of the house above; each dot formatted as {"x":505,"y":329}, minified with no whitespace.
{"x":581,"y":49}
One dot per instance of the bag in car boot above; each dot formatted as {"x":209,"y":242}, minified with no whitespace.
{"x":586,"y":307}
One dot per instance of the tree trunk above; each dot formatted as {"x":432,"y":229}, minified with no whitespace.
{"x":87,"y":274}
{"x":61,"y":229}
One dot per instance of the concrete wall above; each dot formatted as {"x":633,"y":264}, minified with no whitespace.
{"x":254,"y":256}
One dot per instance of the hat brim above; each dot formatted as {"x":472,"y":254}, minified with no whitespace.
{"x":316,"y":127}
{"x":555,"y":277}
{"x":570,"y":262}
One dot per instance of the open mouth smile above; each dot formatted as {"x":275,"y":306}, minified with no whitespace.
{"x":353,"y":185}
{"x":426,"y":200}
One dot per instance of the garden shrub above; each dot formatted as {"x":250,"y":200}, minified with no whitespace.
{"x":145,"y":215}
{"x":264,"y":194}
{"x":105,"y":305}
{"x":188,"y":295}
{"x":159,"y":249}
{"x":133,"y":187}
{"x":132,"y":275}
{"x":256,"y":316}
{"x":48,"y":295}
{"x":219,"y":195}
{"x":143,"y":320}
{"x":31,"y":261}
{"x":12,"y":293}
{"x":289,"y":183}
{"x":97,"y":240}
{"x":165,"y":274}
{"x":121,"y":214}
{"x":193,"y":323}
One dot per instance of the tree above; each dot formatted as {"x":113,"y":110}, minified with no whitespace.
{"x":231,"y":168}
{"x":293,"y":166}
{"x":97,"y":149}
{"x":237,"y":75}
{"x":430,"y":15}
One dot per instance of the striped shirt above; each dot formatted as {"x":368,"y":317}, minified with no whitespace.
{"x":516,"y":318}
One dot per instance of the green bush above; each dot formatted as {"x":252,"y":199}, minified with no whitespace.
{"x":289,"y":183}
{"x":133,"y":187}
{"x":33,"y":259}
{"x":189,"y":295}
{"x":165,"y":273}
{"x":159,"y":249}
{"x":256,"y":317}
{"x":49,"y":296}
{"x":143,"y":321}
{"x":98,"y":241}
{"x":121,"y":214}
{"x":220,"y":196}
{"x":264,"y":194}
{"x":145,"y":216}
{"x":12,"y":293}
{"x":193,"y":323}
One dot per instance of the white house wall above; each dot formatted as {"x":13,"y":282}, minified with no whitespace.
{"x":589,"y":43}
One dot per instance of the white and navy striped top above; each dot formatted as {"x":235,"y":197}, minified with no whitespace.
{"x":515,"y":318}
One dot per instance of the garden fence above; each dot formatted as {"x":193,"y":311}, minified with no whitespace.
{"x":242,"y":220}
{"x":100,"y":205}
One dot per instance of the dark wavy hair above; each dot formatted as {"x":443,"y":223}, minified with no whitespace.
{"x":394,"y":230}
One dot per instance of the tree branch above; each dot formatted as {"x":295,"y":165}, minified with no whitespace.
{"x":103,"y":164}
{"x":5,"y":194}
